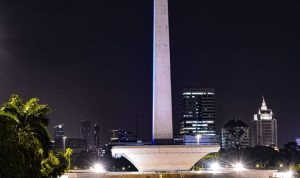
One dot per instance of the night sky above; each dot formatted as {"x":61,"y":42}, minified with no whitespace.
{"x":92,"y":60}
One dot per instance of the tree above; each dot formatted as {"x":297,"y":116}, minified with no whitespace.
{"x":50,"y":165}
{"x":11,"y":155}
{"x":56,"y":165}
{"x":67,"y":156}
{"x":207,"y":160}
{"x":25,"y":142}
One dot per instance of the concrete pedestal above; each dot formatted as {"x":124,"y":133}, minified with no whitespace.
{"x":171,"y":158}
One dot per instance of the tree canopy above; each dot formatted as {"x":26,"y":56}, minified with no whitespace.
{"x":25,"y":144}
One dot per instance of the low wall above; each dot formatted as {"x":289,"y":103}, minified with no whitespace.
{"x":229,"y":174}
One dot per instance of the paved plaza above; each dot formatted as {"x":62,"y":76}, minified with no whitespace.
{"x":185,"y":174}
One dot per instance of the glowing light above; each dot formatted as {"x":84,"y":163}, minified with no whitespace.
{"x":238,"y":167}
{"x":98,"y":168}
{"x":281,"y":165}
{"x":198,"y":138}
{"x":215,"y":167}
{"x":64,"y":142}
{"x":289,"y":174}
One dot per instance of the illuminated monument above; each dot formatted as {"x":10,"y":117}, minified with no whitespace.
{"x":162,"y":102}
{"x":162,"y":155}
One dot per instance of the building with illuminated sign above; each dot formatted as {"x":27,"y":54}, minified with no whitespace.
{"x":197,"y":116}
{"x":59,"y":131}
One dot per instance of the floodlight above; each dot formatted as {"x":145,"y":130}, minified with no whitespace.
{"x":99,"y":168}
{"x":215,"y":167}
{"x":238,"y":167}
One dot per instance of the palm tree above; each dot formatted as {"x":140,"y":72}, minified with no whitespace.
{"x":28,"y":121}
{"x":67,"y":155}
{"x":31,"y":119}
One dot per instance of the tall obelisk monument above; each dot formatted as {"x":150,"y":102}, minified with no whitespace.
{"x":162,"y":155}
{"x":162,"y":99}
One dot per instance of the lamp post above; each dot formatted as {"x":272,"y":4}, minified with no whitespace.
{"x":64,"y":142}
{"x":198,"y":138}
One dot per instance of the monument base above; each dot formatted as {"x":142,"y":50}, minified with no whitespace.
{"x":151,"y":158}
{"x":163,"y":142}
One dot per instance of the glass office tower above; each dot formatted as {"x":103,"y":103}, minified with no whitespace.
{"x":198,"y":116}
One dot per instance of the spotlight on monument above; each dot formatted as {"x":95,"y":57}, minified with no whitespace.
{"x":215,"y":167}
{"x":238,"y":167}
{"x":98,"y":168}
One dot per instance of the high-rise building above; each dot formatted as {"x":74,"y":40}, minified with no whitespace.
{"x":59,"y":131}
{"x":96,"y":136}
{"x":264,"y":127}
{"x":235,"y":134}
{"x":86,"y":132}
{"x":198,"y":115}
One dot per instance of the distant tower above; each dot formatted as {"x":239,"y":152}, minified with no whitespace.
{"x":96,"y":135}
{"x":235,"y":134}
{"x":264,"y":127}
{"x":59,"y":131}
{"x":162,"y":102}
{"x":86,"y":132}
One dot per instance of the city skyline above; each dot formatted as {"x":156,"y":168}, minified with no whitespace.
{"x":63,"y":55}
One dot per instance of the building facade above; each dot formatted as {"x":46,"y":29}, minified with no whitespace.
{"x":235,"y":134}
{"x":86,"y":133}
{"x":96,"y":136}
{"x":76,"y":144}
{"x":264,"y":127}
{"x":123,"y":137}
{"x":197,"y":116}
{"x":59,"y":131}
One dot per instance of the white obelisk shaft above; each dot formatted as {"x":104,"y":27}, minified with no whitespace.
{"x":162,"y":101}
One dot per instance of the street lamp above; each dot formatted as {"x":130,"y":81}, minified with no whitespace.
{"x":198,"y":138}
{"x":281,"y":165}
{"x":64,"y":142}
